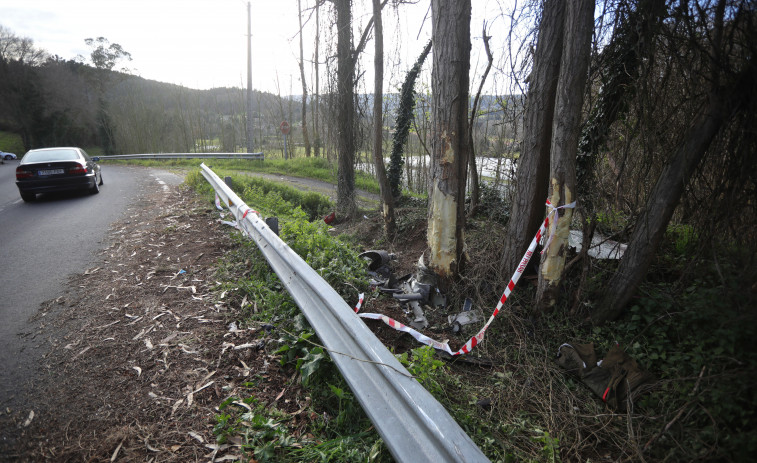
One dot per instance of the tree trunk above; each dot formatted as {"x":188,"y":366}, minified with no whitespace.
{"x":475,"y":193}
{"x":378,"y":124}
{"x":402,"y":124}
{"x":345,"y":203}
{"x":531,"y":183}
{"x":450,"y":138}
{"x":317,"y":134}
{"x":305,"y":137}
{"x":566,"y":129}
{"x":651,"y":225}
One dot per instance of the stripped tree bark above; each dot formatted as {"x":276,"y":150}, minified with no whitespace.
{"x":566,"y":129}
{"x":449,"y":139}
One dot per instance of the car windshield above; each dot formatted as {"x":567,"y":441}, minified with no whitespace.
{"x":51,"y":155}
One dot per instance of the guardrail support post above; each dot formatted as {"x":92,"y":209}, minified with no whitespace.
{"x":273,"y":224}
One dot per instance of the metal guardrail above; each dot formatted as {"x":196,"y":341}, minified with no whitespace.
{"x":259,"y":156}
{"x":414,"y":425}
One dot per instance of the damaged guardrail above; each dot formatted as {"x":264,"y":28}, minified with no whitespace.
{"x":414,"y":425}
{"x":258,"y":156}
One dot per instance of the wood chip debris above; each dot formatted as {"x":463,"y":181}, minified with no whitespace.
{"x":29,"y":419}
{"x":192,"y":288}
{"x":80,"y":353}
{"x":243,"y":405}
{"x":118,"y":449}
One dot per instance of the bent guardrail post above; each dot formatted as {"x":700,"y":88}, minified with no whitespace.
{"x":414,"y":425}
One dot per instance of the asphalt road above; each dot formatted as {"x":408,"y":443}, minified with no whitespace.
{"x":44,"y":242}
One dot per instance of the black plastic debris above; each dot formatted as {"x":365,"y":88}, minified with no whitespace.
{"x":378,"y":259}
{"x":379,"y":270}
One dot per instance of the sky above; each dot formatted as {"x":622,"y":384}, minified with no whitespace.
{"x":203,"y":43}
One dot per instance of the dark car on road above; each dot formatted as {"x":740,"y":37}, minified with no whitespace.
{"x":57,"y":169}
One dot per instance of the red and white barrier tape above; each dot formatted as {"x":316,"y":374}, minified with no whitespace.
{"x":234,"y":223}
{"x":360,"y":298}
{"x":475,"y":340}
{"x":248,"y":211}
{"x":556,"y":211}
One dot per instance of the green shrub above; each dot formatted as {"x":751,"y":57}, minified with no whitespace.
{"x":697,"y":338}
{"x":12,"y":143}
{"x":333,"y":259}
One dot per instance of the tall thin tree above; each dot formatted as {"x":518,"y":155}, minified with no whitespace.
{"x":345,"y":202}
{"x":474,"y":182}
{"x":305,"y":137}
{"x":317,"y":90}
{"x":566,"y":129}
{"x":378,"y":123}
{"x":450,"y":139}
{"x":730,"y":72}
{"x":533,"y":164}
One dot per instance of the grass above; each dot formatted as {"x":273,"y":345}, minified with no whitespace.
{"x":338,"y":430}
{"x":270,"y":197}
{"x":315,"y":168}
{"x":11,"y":143}
{"x":692,"y":326}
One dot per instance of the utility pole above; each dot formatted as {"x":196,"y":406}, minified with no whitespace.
{"x":249,"y":80}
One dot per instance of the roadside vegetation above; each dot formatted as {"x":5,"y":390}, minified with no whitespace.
{"x":315,"y":168}
{"x":11,"y":143}
{"x":651,"y":144}
{"x":690,"y":328}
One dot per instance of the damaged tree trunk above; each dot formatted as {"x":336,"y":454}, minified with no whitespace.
{"x":566,"y":129}
{"x":531,"y":179}
{"x":450,"y":140}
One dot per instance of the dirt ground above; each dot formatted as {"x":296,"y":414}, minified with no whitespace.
{"x":139,"y":352}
